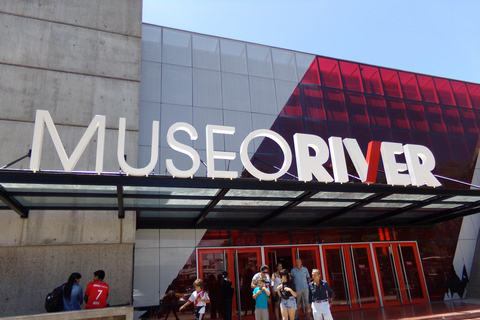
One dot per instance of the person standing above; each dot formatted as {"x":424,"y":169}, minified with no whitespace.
{"x":276,"y":281}
{"x":263,"y":274}
{"x":287,"y":294}
{"x":301,"y":277}
{"x":226,"y":295}
{"x":199,"y":298}
{"x":97,"y":291}
{"x":72,"y":293}
{"x":320,"y":297}
{"x":260,"y":294}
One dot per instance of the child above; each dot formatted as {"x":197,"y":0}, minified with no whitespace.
{"x":260,"y":294}
{"x":199,"y":298}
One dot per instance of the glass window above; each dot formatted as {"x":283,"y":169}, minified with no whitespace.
{"x":391,"y":83}
{"x":474,"y":91}
{"x":177,"y":47}
{"x":263,"y":98}
{"x":292,"y":107}
{"x":330,"y":73}
{"x":233,"y":56}
{"x":444,"y":91}
{"x":151,"y":43}
{"x":409,"y":85}
{"x":215,"y":238}
{"x":441,"y":150}
{"x":469,"y":122}
{"x":335,"y":105}
{"x":177,"y":83}
{"x":459,"y":147}
{"x":398,"y":114}
{"x":236,"y":92}
{"x":416,"y":114}
{"x":357,"y":108}
{"x":312,"y":100}
{"x":284,"y":65}
{"x":290,"y":126}
{"x":276,"y":237}
{"x":425,"y":233}
{"x":452,"y":120}
{"x":206,"y":52}
{"x":461,"y":94}
{"x":371,"y":79}
{"x":150,"y":87}
{"x":351,"y":76}
{"x":435,"y":118}
{"x":377,"y":109}
{"x":304,"y":236}
{"x":446,"y":230}
{"x":312,"y":75}
{"x":331,"y":235}
{"x":245,"y":237}
{"x":318,"y":128}
{"x":338,"y":129}
{"x":207,"y":89}
{"x":427,"y":88}
{"x":259,"y":59}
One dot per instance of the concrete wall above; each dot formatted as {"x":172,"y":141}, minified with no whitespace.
{"x":75,"y":60}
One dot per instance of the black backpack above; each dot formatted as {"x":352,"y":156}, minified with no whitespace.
{"x":54,"y":300}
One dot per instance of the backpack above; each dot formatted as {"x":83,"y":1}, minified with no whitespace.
{"x":54,"y":300}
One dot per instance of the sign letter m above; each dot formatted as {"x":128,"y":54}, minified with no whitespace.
{"x":43,"y":118}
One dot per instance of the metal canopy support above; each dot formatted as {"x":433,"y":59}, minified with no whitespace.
{"x":209,"y":207}
{"x":121,"y":209}
{"x":451,"y":212}
{"x":13,"y":204}
{"x":412,"y":206}
{"x":304,"y":196}
{"x":349,"y":208}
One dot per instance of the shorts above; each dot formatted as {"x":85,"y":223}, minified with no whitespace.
{"x":290,"y":303}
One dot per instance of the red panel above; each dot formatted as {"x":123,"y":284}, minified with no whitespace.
{"x":339,"y":130}
{"x":312,"y":76}
{"x":312,"y":100}
{"x":305,"y":236}
{"x":461,"y":94}
{"x":357,"y":108}
{"x":469,"y":121}
{"x":463,"y":158}
{"x":402,"y":136}
{"x":416,"y":114}
{"x":334,"y":102}
{"x":474,"y":90}
{"x":318,"y":128}
{"x":435,"y":118}
{"x":391,"y":83}
{"x":452,"y":120}
{"x":292,"y":107}
{"x":427,"y":88}
{"x":245,"y":237}
{"x":330,"y":73}
{"x":444,"y":90}
{"x":377,"y":109}
{"x":398,"y":114}
{"x":290,"y":126}
{"x":442,"y":151}
{"x":276,"y":237}
{"x":351,"y":76}
{"x":214,"y":238}
{"x":409,"y":85}
{"x":371,"y":79}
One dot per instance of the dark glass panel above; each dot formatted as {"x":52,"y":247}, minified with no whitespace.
{"x":380,"y":134}
{"x":412,"y":274}
{"x":437,"y":284}
{"x":427,"y":88}
{"x":312,"y":100}
{"x":305,"y":236}
{"x":461,"y":94}
{"x":363,"y":136}
{"x":402,"y":136}
{"x":265,"y":163}
{"x":441,"y":150}
{"x":318,"y":128}
{"x":356,"y":235}
{"x":446,"y":230}
{"x":391,"y":83}
{"x":450,"y":173}
{"x":245,"y":238}
{"x":423,"y":139}
{"x":377,"y":109}
{"x":459,"y":147}
{"x":474,"y":91}
{"x":452,"y":120}
{"x":469,"y":122}
{"x":465,"y":175}
{"x":292,"y":107}
{"x":351,"y":76}
{"x":330,"y":73}
{"x":398,"y":114}
{"x":425,"y":233}
{"x":339,"y":130}
{"x":382,"y":234}
{"x":371,"y":79}
{"x":416,"y":114}
{"x":312,"y":76}
{"x":409,"y":85}
{"x":432,"y":265}
{"x":276,"y":237}
{"x":444,"y":91}
{"x":290,"y":126}
{"x":334,"y":102}
{"x":330,"y":235}
{"x":363,"y":275}
{"x":390,"y":286}
{"x":215,"y":238}
{"x":404,"y":234}
{"x":435,"y":118}
{"x":186,"y":276}
{"x":336,"y":276}
{"x":357,"y":108}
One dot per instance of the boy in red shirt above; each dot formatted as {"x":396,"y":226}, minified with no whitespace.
{"x":97,"y":291}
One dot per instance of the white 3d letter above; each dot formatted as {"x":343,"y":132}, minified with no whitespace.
{"x":306,"y":164}
{"x":145,"y":171}
{"x":43,"y":118}
{"x":391,"y":166}
{"x":339,"y":164}
{"x":180,"y":147}
{"x":420,"y":172}
{"x":287,"y":154}
{"x":212,"y":154}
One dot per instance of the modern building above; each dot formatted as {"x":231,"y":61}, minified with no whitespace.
{"x":222,"y":155}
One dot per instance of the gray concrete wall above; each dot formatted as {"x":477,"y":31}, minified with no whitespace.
{"x":75,"y":60}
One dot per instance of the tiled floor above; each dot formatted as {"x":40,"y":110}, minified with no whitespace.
{"x":433,"y":310}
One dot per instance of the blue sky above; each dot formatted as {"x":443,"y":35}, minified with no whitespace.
{"x":435,"y":37}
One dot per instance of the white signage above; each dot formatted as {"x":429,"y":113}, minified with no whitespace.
{"x":416,"y":171}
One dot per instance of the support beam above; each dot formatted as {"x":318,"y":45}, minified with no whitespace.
{"x":121,"y":209}
{"x":220,"y":194}
{"x":13,"y":204}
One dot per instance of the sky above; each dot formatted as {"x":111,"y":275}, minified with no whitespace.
{"x":434,"y":37}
